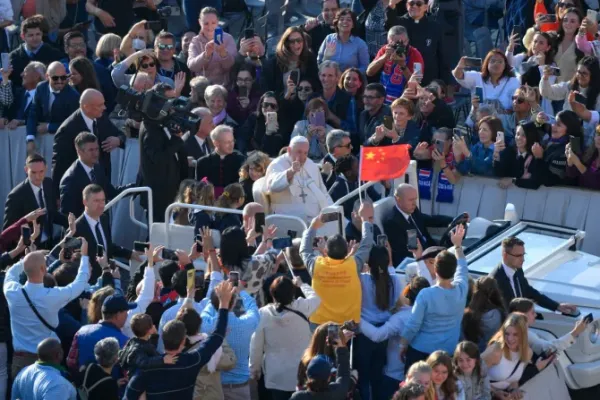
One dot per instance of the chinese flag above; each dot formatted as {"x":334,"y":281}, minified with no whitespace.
{"x":383,"y":163}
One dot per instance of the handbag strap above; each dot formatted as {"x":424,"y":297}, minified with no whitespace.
{"x":511,"y":374}
{"x":106,"y":378}
{"x":298,"y":313}
{"x":36,"y":312}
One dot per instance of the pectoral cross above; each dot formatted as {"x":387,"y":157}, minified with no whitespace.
{"x":303,"y":195}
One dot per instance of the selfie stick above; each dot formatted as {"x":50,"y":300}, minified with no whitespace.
{"x":351,"y":352}
{"x":359,"y":176}
{"x":288,"y":263}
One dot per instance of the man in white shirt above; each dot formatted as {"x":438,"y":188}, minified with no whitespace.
{"x":28,"y":326}
{"x":295,"y":184}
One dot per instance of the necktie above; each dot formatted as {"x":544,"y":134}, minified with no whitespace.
{"x":95,"y":128}
{"x":419,"y":234}
{"x":41,"y":199}
{"x":99,"y":239}
{"x":92,"y":176}
{"x":53,"y":102}
{"x":205,"y":148}
{"x":517,"y":286}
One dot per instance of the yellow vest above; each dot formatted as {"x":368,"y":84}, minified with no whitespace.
{"x":337,"y":283}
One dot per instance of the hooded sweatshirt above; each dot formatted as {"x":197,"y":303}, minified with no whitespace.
{"x":280,"y":340}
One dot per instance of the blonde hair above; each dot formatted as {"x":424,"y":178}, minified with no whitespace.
{"x":107,"y":43}
{"x":415,"y":370}
{"x":257,"y":159}
{"x":519,"y":322}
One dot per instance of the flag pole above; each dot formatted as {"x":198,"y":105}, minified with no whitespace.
{"x":360,"y":174}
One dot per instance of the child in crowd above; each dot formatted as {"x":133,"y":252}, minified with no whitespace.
{"x":420,"y":372}
{"x":139,"y":353}
{"x":445,"y":384}
{"x":470,"y":371}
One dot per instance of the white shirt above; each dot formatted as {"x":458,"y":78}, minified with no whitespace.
{"x":88,"y":122}
{"x":510,"y":273}
{"x":502,"y":92}
{"x":87,"y":169}
{"x":405,"y":215}
{"x":92,"y":223}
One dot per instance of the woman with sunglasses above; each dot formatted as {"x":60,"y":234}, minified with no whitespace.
{"x":314,"y":128}
{"x":496,"y":79}
{"x":343,"y":46}
{"x":291,"y":55}
{"x":206,"y":56}
{"x":586,"y":83}
{"x":585,"y":167}
{"x":254,"y":131}
{"x":293,"y":104}
{"x":144,"y":61}
{"x":243,"y":97}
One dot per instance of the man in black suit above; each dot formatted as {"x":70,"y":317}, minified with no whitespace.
{"x":90,"y":117}
{"x":33,"y":49}
{"x":94,"y":227}
{"x":199,"y":145}
{"x":338,"y":145}
{"x":163,"y":165}
{"x":513,"y":283}
{"x":84,"y":171}
{"x":23,"y":96}
{"x":404,"y":216}
{"x":35,"y":192}
{"x":222,"y":166}
{"x":53,"y":102}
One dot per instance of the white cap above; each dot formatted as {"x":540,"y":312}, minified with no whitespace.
{"x":298,"y":140}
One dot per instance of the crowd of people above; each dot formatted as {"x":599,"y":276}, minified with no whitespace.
{"x":319,"y":317}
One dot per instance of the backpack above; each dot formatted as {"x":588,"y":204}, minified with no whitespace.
{"x":83,"y":391}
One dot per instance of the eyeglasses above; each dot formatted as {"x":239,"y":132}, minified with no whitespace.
{"x":77,"y":45}
{"x":416,"y":3}
{"x":148,"y":65}
{"x":162,"y":46}
{"x":244,"y":80}
{"x":272,"y":106}
{"x":294,"y":41}
{"x":564,"y":5}
{"x":518,"y":99}
{"x":496,"y":61}
{"x":59,"y":78}
{"x":366,"y":97}
{"x":305,"y":89}
{"x":516,"y":255}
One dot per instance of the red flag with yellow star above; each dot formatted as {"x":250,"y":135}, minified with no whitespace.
{"x":383,"y":163}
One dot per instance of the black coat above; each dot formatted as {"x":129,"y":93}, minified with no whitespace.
{"x":19,"y":60}
{"x":329,"y":180}
{"x":271,"y":77}
{"x":75,"y":180}
{"x":63,"y":151}
{"x":395,"y":227}
{"x":163,"y":165}
{"x":527,"y":290}
{"x":511,"y":166}
{"x":112,"y":250}
{"x":192,"y":149}
{"x":220,"y":172}
{"x":64,"y":104}
{"x":21,"y":201}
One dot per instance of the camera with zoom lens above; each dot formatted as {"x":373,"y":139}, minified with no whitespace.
{"x":174,"y":114}
{"x":400,"y":49}
{"x":164,"y":12}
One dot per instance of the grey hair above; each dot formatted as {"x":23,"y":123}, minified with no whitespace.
{"x":215,"y":133}
{"x":487,"y":109}
{"x":198,"y":86}
{"x":330,"y":64}
{"x":402,"y":189}
{"x":215,"y":90}
{"x":106,"y":352}
{"x":357,"y":203}
{"x":334,"y":138}
{"x":38,"y":67}
{"x":201,"y":111}
{"x":397,"y":30}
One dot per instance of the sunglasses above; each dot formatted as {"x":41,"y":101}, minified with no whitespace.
{"x":564,"y":5}
{"x":293,"y":41}
{"x":304,"y":89}
{"x":272,"y":106}
{"x":148,"y":65}
{"x":166,"y":46}
{"x":62,"y":78}
{"x":416,"y":3}
{"x":518,"y":99}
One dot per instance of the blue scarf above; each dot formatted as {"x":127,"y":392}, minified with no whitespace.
{"x":445,"y":189}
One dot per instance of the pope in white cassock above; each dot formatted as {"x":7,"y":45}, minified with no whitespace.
{"x":295,"y":184}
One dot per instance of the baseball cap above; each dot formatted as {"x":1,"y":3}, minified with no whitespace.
{"x":431,"y":252}
{"x":116,"y":303}
{"x":319,"y":368}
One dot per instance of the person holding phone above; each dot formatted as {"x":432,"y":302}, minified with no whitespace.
{"x":143,"y":61}
{"x":478,"y":158}
{"x":398,"y":129}
{"x":375,"y":111}
{"x":495,"y":78}
{"x":585,"y":82}
{"x":243,"y":99}
{"x":584,"y":166}
{"x":291,"y":54}
{"x":314,"y":128}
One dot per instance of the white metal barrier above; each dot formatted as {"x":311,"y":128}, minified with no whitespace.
{"x":130,"y":191}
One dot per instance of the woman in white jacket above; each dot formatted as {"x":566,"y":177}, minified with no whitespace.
{"x":282,"y":336}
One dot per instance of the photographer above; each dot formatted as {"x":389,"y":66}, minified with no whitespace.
{"x":396,"y":62}
{"x":163,"y":162}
